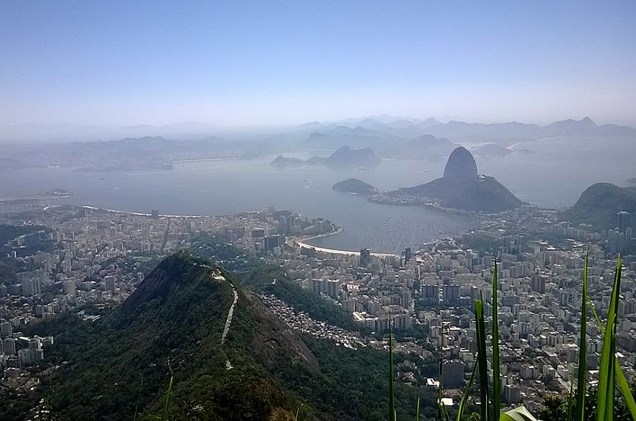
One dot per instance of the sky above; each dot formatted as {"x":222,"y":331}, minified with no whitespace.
{"x":284,"y":62}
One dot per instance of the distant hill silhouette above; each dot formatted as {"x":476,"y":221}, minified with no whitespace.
{"x":282,"y":161}
{"x":599,"y":204}
{"x":460,"y":188}
{"x":342,"y":157}
{"x":345,"y":157}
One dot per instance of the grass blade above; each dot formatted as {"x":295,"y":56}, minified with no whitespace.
{"x":298,"y":412}
{"x":166,"y":404}
{"x":164,"y":414}
{"x":392,"y":414}
{"x":571,"y":396}
{"x":465,"y":396}
{"x":623,"y":384}
{"x":417,"y":409}
{"x":482,"y":359}
{"x":440,"y":390}
{"x":141,"y":385}
{"x":582,"y":374}
{"x":607,"y":368}
{"x":626,"y":391}
{"x":443,"y":411}
{"x":496,"y":375}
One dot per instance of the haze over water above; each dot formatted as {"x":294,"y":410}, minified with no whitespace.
{"x":218,"y":187}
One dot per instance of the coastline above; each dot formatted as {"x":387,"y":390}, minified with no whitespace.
{"x":304,"y":243}
{"x":140,"y":213}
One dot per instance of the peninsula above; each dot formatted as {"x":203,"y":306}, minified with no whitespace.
{"x":461,"y":188}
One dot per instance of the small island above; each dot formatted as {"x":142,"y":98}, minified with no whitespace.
{"x":355,"y":186}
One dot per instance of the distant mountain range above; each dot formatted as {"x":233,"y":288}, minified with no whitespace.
{"x":146,"y":147}
{"x":369,"y":131}
{"x":60,"y":132}
{"x":351,"y":130}
{"x":145,"y":153}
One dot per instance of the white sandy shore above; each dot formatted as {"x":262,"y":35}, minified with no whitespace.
{"x":303,"y":243}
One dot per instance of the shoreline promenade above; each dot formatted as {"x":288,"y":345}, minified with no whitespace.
{"x":304,"y":243}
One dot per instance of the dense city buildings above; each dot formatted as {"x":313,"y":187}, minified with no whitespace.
{"x":76,"y":258}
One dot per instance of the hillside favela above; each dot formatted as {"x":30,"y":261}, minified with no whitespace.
{"x":289,"y":211}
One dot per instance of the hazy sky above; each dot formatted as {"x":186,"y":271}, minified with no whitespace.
{"x":271,"y":62}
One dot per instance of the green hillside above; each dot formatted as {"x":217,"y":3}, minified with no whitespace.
{"x":173,"y":322}
{"x":121,"y":364}
{"x":599,"y":204}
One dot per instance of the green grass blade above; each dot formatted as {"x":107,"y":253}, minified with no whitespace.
{"x":496,"y":375}
{"x":166,"y":404}
{"x":141,"y":385}
{"x":392,"y":414}
{"x":298,"y":412}
{"x":626,"y":391}
{"x":582,"y":369}
{"x":417,"y":409}
{"x":620,"y":375}
{"x":466,"y":394}
{"x":440,"y":389}
{"x":443,"y":412}
{"x":482,"y":359}
{"x":603,"y":377}
{"x":607,"y":367}
{"x":571,"y":396}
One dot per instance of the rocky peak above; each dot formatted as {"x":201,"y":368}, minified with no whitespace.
{"x":461,"y":165}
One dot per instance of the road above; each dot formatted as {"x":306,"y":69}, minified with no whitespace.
{"x":230,"y":313}
{"x":216,"y":275}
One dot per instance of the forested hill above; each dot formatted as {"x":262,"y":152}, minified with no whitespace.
{"x":599,"y":204}
{"x":119,"y":366}
{"x":172,"y":326}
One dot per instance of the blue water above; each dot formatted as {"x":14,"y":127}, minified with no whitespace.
{"x":549,"y":174}
{"x":228,"y":186}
